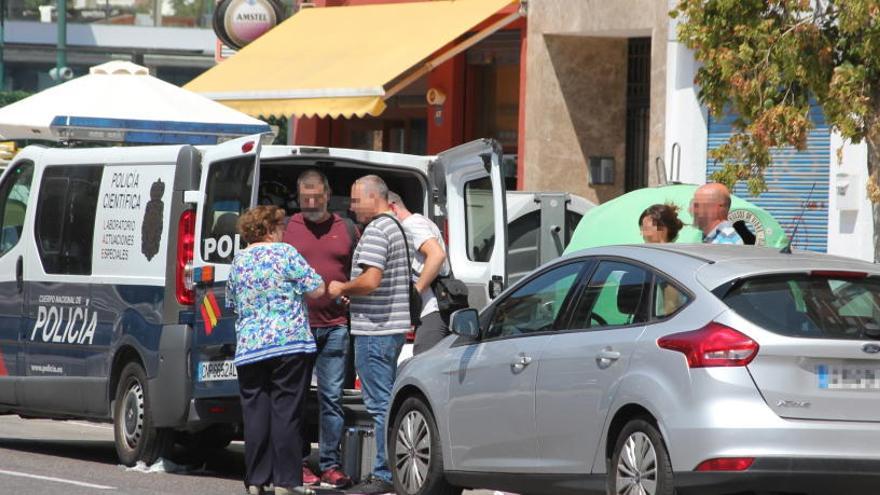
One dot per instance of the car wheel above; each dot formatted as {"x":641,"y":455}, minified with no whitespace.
{"x":415,"y":452}
{"x":135,"y":436}
{"x":640,"y":463}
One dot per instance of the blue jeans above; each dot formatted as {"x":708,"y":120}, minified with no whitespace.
{"x":375,"y":358}
{"x":330,"y":372}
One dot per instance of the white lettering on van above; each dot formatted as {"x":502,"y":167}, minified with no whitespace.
{"x":210,"y":246}
{"x":224,"y":246}
{"x":65,"y":324}
{"x":125,"y":195}
{"x":51,"y":321}
{"x":41,"y":320}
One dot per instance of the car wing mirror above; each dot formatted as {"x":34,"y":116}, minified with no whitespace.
{"x":465,"y":323}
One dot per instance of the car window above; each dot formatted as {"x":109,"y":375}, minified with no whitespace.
{"x":667,"y":298}
{"x":810,"y":306}
{"x":614,"y":297}
{"x":535,"y":306}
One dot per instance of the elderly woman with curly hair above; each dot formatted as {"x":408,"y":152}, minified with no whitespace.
{"x":267,"y":285}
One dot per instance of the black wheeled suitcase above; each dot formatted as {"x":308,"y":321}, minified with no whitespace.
{"x":358,"y":452}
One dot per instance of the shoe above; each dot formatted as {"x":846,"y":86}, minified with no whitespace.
{"x":309,"y":476}
{"x":255,"y":490}
{"x":335,"y":478}
{"x":370,"y":486}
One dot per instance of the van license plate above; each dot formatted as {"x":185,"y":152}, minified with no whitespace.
{"x":212,"y":371}
{"x":848,"y":377}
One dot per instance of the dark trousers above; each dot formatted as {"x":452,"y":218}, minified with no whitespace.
{"x":434,"y":328}
{"x":273,"y":398}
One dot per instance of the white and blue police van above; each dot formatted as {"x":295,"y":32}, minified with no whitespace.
{"x":113,"y":263}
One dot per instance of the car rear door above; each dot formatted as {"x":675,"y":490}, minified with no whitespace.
{"x":229,"y":174}
{"x":476,"y":217}
{"x":583,"y":363}
{"x":491,"y":406}
{"x":819,"y":338}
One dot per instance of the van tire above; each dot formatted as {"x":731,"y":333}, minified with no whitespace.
{"x":135,"y":436}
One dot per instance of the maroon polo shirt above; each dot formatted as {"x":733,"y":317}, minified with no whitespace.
{"x":327,"y":247}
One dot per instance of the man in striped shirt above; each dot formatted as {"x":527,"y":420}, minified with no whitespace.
{"x":379,"y":295}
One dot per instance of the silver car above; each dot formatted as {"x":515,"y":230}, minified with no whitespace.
{"x":653,"y":369}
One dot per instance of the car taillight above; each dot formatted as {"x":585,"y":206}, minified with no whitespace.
{"x":726,"y":464}
{"x":186,"y":239}
{"x":446,"y":233}
{"x":711,"y":346}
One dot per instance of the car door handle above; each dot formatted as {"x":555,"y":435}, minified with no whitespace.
{"x":520,"y":363}
{"x":607,"y":357}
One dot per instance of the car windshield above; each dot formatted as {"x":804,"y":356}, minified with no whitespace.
{"x":813,"y":306}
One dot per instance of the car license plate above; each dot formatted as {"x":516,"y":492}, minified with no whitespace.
{"x":212,"y":371}
{"x":838,"y":377}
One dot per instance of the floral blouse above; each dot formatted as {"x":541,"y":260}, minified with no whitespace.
{"x":266,"y":289}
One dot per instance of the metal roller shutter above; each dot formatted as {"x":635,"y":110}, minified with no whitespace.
{"x":789,"y":181}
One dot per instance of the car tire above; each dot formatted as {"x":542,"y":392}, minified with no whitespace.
{"x":415,"y":453}
{"x":135,"y":436}
{"x":640,"y":457}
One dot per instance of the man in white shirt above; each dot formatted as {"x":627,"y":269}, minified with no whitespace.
{"x":429,"y":261}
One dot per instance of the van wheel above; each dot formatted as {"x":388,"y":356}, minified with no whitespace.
{"x":640,"y":462}
{"x":136,"y":438}
{"x":414,"y":451}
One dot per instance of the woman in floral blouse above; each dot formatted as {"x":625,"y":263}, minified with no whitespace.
{"x":267,"y":286}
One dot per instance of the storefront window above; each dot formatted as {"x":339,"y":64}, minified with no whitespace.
{"x":493,"y":72}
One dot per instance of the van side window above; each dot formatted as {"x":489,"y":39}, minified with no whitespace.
{"x":65,"y":222}
{"x":227,"y":195}
{"x":14,"y":194}
{"x":479,"y":211}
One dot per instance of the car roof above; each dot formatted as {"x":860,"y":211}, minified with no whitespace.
{"x":714,"y":265}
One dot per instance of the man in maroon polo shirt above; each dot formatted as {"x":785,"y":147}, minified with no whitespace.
{"x":326,"y":241}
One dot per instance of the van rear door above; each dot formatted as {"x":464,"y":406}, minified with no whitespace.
{"x":226,"y":191}
{"x":476,"y":217}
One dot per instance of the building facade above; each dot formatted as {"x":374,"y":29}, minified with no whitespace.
{"x":172,"y":38}
{"x":482,"y":99}
{"x":595,"y":96}
{"x":819,"y":193}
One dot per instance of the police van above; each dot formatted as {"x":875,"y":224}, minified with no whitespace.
{"x":113,"y":264}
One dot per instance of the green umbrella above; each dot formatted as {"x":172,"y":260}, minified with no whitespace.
{"x":617,"y":221}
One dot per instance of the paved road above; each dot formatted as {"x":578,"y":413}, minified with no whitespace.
{"x":77,"y":457}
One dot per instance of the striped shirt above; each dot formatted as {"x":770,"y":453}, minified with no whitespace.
{"x":384,"y":311}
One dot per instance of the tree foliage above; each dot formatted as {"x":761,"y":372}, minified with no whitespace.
{"x":8,"y":97}
{"x":768,"y":60}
